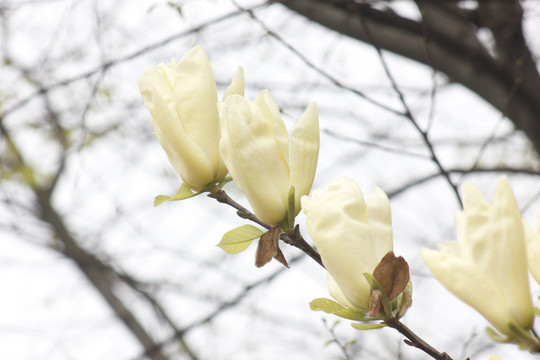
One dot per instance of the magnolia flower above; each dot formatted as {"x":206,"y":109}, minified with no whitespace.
{"x":352,"y":236}
{"x":181,"y":96}
{"x":255,"y":148}
{"x":533,"y":248}
{"x":487,"y":266}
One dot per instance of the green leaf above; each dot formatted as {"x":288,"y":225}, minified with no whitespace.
{"x":537,"y":311}
{"x":335,"y":308}
{"x":360,"y":326}
{"x":238,"y":239}
{"x":183,"y":193}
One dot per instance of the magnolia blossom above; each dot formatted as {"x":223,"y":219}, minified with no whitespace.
{"x":352,"y":236}
{"x":487,"y":266}
{"x":533,"y":248}
{"x":255,"y":148}
{"x":182,"y":98}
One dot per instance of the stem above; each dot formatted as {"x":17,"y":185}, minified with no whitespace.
{"x":414,"y":340}
{"x":291,"y":237}
{"x":294,"y":238}
{"x":244,"y":213}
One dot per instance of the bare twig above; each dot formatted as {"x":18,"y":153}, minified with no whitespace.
{"x":305,"y":60}
{"x":291,"y":237}
{"x":335,"y":340}
{"x":409,"y":115}
{"x":219,"y":310}
{"x":414,"y":340}
{"x":105,"y":66}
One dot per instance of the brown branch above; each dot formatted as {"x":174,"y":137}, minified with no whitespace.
{"x":414,"y":340}
{"x":105,"y":66}
{"x":291,"y":237}
{"x":430,"y":177}
{"x":408,"y":113}
{"x":219,"y":310}
{"x":449,"y":49}
{"x":95,"y":271}
{"x":100,"y":275}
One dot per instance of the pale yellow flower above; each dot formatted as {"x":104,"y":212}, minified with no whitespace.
{"x":352,"y":236}
{"x":182,"y":98}
{"x":487,"y":266}
{"x":533,"y":248}
{"x":255,"y":148}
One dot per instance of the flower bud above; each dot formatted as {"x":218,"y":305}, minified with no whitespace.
{"x":181,"y":97}
{"x":487,"y":266}
{"x":255,"y":147}
{"x":352,"y":236}
{"x":533,"y":248}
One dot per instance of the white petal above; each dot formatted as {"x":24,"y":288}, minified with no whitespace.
{"x":468,"y":282}
{"x":237,"y":84}
{"x":304,"y":153}
{"x":244,"y":152}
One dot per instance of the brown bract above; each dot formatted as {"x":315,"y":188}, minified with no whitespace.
{"x":392,"y":274}
{"x":268,"y":248}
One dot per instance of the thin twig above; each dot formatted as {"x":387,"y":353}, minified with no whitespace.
{"x":416,"y":341}
{"x":219,"y":310}
{"x":103,"y":67}
{"x":336,"y":341}
{"x":305,"y":60}
{"x":409,"y":115}
{"x":291,"y":237}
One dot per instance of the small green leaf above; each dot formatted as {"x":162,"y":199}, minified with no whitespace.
{"x":335,"y":308}
{"x":360,"y":326}
{"x":238,"y":239}
{"x":537,"y":311}
{"x":326,"y":305}
{"x":183,"y":193}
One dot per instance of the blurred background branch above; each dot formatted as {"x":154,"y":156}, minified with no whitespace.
{"x":79,"y":166}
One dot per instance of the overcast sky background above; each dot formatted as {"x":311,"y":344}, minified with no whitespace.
{"x":115,"y":167}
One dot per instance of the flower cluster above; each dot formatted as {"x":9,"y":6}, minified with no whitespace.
{"x":205,"y":139}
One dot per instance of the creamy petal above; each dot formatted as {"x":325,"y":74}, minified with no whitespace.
{"x":262,"y":123}
{"x":244,"y":151}
{"x":380,"y":222}
{"x":335,"y":291}
{"x":189,"y":160}
{"x":304,"y":153}
{"x":337,"y":222}
{"x":532,"y":238}
{"x":237,"y":84}
{"x":465,"y":280}
{"x":271,"y":113}
{"x":195,"y":97}
{"x":508,"y":255}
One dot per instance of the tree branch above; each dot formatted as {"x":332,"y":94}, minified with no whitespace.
{"x":292,"y":237}
{"x":99,"y":275}
{"x":515,"y":93}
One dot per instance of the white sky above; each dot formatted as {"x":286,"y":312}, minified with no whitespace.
{"x":47,"y":308}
